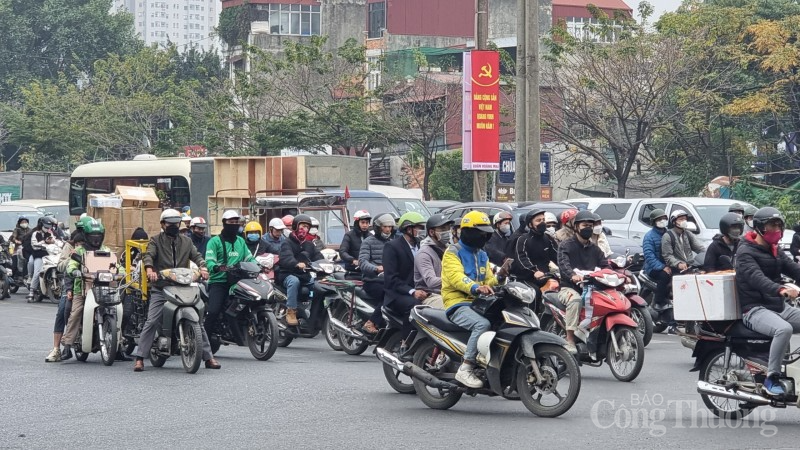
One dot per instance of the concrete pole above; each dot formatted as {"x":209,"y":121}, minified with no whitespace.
{"x":481,"y":43}
{"x":533,"y":127}
{"x":521,"y":154}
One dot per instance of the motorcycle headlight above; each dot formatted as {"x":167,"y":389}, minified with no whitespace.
{"x":525,"y":295}
{"x":105,"y":277}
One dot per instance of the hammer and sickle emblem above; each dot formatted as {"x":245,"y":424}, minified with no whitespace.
{"x":486,"y":71}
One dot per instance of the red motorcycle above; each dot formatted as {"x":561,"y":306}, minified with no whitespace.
{"x":606,"y":331}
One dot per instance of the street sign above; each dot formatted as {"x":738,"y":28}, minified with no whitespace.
{"x":508,"y":168}
{"x":544,"y":179}
{"x":547,"y":194}
{"x":505,"y":194}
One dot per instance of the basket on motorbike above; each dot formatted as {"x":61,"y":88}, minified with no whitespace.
{"x":106,"y":295}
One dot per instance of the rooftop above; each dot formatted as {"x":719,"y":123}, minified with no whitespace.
{"x":602,"y":4}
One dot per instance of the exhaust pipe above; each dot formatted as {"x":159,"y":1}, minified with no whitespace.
{"x":720,"y":391}
{"x":344,"y":329}
{"x":413,"y":370}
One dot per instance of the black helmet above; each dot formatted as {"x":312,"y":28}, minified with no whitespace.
{"x":730,"y":220}
{"x":584,"y":216}
{"x":597,"y":217}
{"x":300,"y":218}
{"x":533,"y":213}
{"x":436,"y":221}
{"x":655,"y":214}
{"x":47,"y":221}
{"x":764,"y":215}
{"x":736,"y":208}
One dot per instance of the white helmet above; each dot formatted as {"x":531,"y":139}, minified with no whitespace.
{"x":230,"y":214}
{"x":198,"y":222}
{"x":550,"y":218}
{"x":170,"y":216}
{"x":277,"y":224}
{"x":186,"y":218}
{"x":361,"y":214}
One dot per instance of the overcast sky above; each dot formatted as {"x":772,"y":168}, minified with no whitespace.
{"x":660,"y":6}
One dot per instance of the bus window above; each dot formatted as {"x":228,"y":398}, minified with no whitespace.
{"x":99,"y":186}
{"x":77,"y":196}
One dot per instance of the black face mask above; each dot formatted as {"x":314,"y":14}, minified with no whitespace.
{"x":541,"y":228}
{"x":230,"y":230}
{"x":171,"y":230}
{"x":585,"y":233}
{"x":474,"y":238}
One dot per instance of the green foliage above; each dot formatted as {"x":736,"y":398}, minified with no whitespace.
{"x":448,"y":181}
{"x":785,"y":199}
{"x":234,"y":25}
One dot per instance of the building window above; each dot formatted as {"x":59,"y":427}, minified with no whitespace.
{"x":301,"y":20}
{"x":377,"y":19}
{"x":375,"y":67}
{"x":588,"y":29}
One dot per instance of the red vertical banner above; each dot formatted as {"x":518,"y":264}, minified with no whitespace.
{"x":481,"y":111}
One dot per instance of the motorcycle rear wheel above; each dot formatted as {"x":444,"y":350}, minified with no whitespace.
{"x":76,"y":347}
{"x":350,"y":345}
{"x":399,"y":381}
{"x":108,"y":342}
{"x":331,"y":336}
{"x":557,"y":366}
{"x":193,"y":353}
{"x":632,"y":345}
{"x":263,"y":340}
{"x":443,"y":398}
{"x":156,"y":359}
{"x":713,"y":372}
{"x":642,"y":317}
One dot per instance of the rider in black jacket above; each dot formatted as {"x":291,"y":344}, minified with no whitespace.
{"x":731,"y":227}
{"x":496,"y":247}
{"x":534,"y":251}
{"x":351,"y":243}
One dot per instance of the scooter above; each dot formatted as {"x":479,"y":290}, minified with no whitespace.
{"x":50,"y":279}
{"x":102,"y":309}
{"x":516,"y":359}
{"x":640,"y":311}
{"x":347,"y":313}
{"x":606,"y":331}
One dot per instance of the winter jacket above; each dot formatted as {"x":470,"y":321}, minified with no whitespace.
{"x":463,"y":270}
{"x":601,"y":241}
{"x":294,"y":252}
{"x":200,"y":243}
{"x":758,"y":274}
{"x":272,"y":245}
{"x":72,"y":266}
{"x":573,"y":254}
{"x":533,"y":252}
{"x":64,"y":257}
{"x":794,"y":248}
{"x":38,"y":243}
{"x":651,"y":247}
{"x":676,"y":254}
{"x":255,"y":248}
{"x":221,"y":252}
{"x":164,"y":252}
{"x":565,"y":233}
{"x":496,"y":247}
{"x":716,"y":249}
{"x":428,"y":266}
{"x":351,"y":246}
{"x":370,"y":256}
{"x":398,"y":269}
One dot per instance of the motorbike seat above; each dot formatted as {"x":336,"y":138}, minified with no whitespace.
{"x":392,"y":316}
{"x":551,"y":298}
{"x":438,"y":318}
{"x":739,"y":330}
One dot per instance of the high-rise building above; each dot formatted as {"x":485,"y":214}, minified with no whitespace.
{"x":182,"y":22}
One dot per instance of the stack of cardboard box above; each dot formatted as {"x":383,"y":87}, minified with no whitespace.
{"x":124,"y":211}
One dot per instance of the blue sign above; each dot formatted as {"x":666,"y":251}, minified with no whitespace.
{"x":508,"y":168}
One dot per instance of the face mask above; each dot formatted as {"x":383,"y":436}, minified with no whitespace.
{"x":690,"y":226}
{"x":171,"y":230}
{"x":661,"y":224}
{"x":541,"y":228}
{"x":734,"y":234}
{"x":23,"y":226}
{"x":199,"y":233}
{"x":301,"y":234}
{"x":772,"y":237}
{"x":551,"y":231}
{"x":585,"y":233}
{"x":313,"y":231}
{"x":749,"y":222}
{"x":287,"y":232}
{"x":253,"y":237}
{"x":229,"y":229}
{"x":445,"y":237}
{"x":474,"y":238}
{"x":598,"y":230}
{"x":241,"y":230}
{"x":505,"y":229}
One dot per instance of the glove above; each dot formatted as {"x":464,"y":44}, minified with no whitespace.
{"x":76,"y":273}
{"x":76,"y":257}
{"x":218,"y":269}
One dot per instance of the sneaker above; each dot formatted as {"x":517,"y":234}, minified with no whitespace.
{"x":672,"y":330}
{"x":571,"y":348}
{"x":54,"y":356}
{"x":466,"y":377}
{"x":291,"y":317}
{"x":773,"y":387}
{"x":30,"y":298}
{"x":66,"y":354}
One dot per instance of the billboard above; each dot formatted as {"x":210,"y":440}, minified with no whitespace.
{"x":481,"y":110}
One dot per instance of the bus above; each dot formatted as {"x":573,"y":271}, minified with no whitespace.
{"x":169,"y":177}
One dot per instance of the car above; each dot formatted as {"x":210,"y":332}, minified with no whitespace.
{"x":456,"y":212}
{"x":436,"y":206}
{"x":9,"y":214}
{"x":554,"y":207}
{"x":59,"y":209}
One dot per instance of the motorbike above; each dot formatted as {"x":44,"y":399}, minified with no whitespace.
{"x":347,"y":313}
{"x":606,"y":331}
{"x":102,"y":309}
{"x":640,"y":311}
{"x":662,"y":316}
{"x":248,"y":318}
{"x":6,"y":272}
{"x":18,"y":278}
{"x":516,"y":359}
{"x":50,"y":279}
{"x":180,"y":332}
{"x":390,"y":339}
{"x":310,"y":311}
{"x":732,"y":363}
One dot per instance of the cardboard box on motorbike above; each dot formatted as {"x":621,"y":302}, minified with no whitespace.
{"x":705,"y":297}
{"x":138,"y":207}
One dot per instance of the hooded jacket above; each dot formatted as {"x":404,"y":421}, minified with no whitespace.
{"x":370,"y":256}
{"x":351,"y":247}
{"x":463,"y":270}
{"x":533,"y":252}
{"x":565,"y":233}
{"x":428,"y":266}
{"x":496,"y":247}
{"x":717,"y":249}
{"x":573,"y":254}
{"x":651,"y":247}
{"x":758,"y":274}
{"x":676,"y":254}
{"x":200,"y":242}
{"x":294,"y":252}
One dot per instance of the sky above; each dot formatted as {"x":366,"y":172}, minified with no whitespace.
{"x":660,"y":6}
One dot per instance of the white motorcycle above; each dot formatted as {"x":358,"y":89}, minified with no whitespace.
{"x":50,"y":279}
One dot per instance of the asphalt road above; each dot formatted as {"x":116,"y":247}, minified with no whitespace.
{"x":308,"y":396}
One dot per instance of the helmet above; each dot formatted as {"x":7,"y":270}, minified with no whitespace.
{"x":550,"y":218}
{"x":314,"y":222}
{"x":736,"y":207}
{"x":94,"y":233}
{"x":501,"y":216}
{"x":253,"y":226}
{"x":750,"y":210}
{"x":584,"y":216}
{"x":438,"y":220}
{"x":384,"y":220}
{"x":186,"y":218}
{"x":230,"y":214}
{"x":198,"y":222}
{"x":186,"y":209}
{"x":411,"y":219}
{"x":477,"y":220}
{"x":169,"y":216}
{"x":361,"y":215}
{"x":300,"y":218}
{"x":568,"y":215}
{"x":730,"y":220}
{"x":533,"y":213}
{"x":656,"y":213}
{"x":47,"y":221}
{"x":287,"y":220}
{"x":277,"y":224}
{"x":674,"y":216}
{"x":764,"y":215}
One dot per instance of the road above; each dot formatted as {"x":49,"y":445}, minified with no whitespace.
{"x":308,"y":396}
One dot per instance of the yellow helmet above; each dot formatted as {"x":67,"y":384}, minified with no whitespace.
{"x":477,"y":219}
{"x":253,"y":226}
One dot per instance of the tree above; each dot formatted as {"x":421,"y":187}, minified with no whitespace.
{"x":448,"y":181}
{"x":607,"y":100}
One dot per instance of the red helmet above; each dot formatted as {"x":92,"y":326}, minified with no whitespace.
{"x":568,"y":215}
{"x":287,"y":220}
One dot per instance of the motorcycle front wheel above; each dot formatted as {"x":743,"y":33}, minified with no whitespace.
{"x":331,"y":336}
{"x":262,"y":338}
{"x":555,"y":394}
{"x":192,"y":350}
{"x":626,"y":364}
{"x":399,"y":381}
{"x":351,"y":345}
{"x":433,"y":397}
{"x":108,"y":342}
{"x":280,"y":315}
{"x":713,"y":372}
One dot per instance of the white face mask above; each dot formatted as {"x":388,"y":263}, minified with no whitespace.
{"x":598,"y":230}
{"x":551,"y":231}
{"x":661,"y":223}
{"x":505,"y":228}
{"x":749,"y":223}
{"x":313,"y":231}
{"x":287,"y":232}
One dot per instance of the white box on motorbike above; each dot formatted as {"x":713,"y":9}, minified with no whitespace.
{"x":705,"y":297}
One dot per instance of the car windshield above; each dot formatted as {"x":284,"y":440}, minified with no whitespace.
{"x":710,"y":214}
{"x":411,"y":205}
{"x":330,"y":225}
{"x":374,"y":205}
{"x":8,"y":219}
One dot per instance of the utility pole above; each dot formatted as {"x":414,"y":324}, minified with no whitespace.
{"x":527,"y":185}
{"x":481,"y":43}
